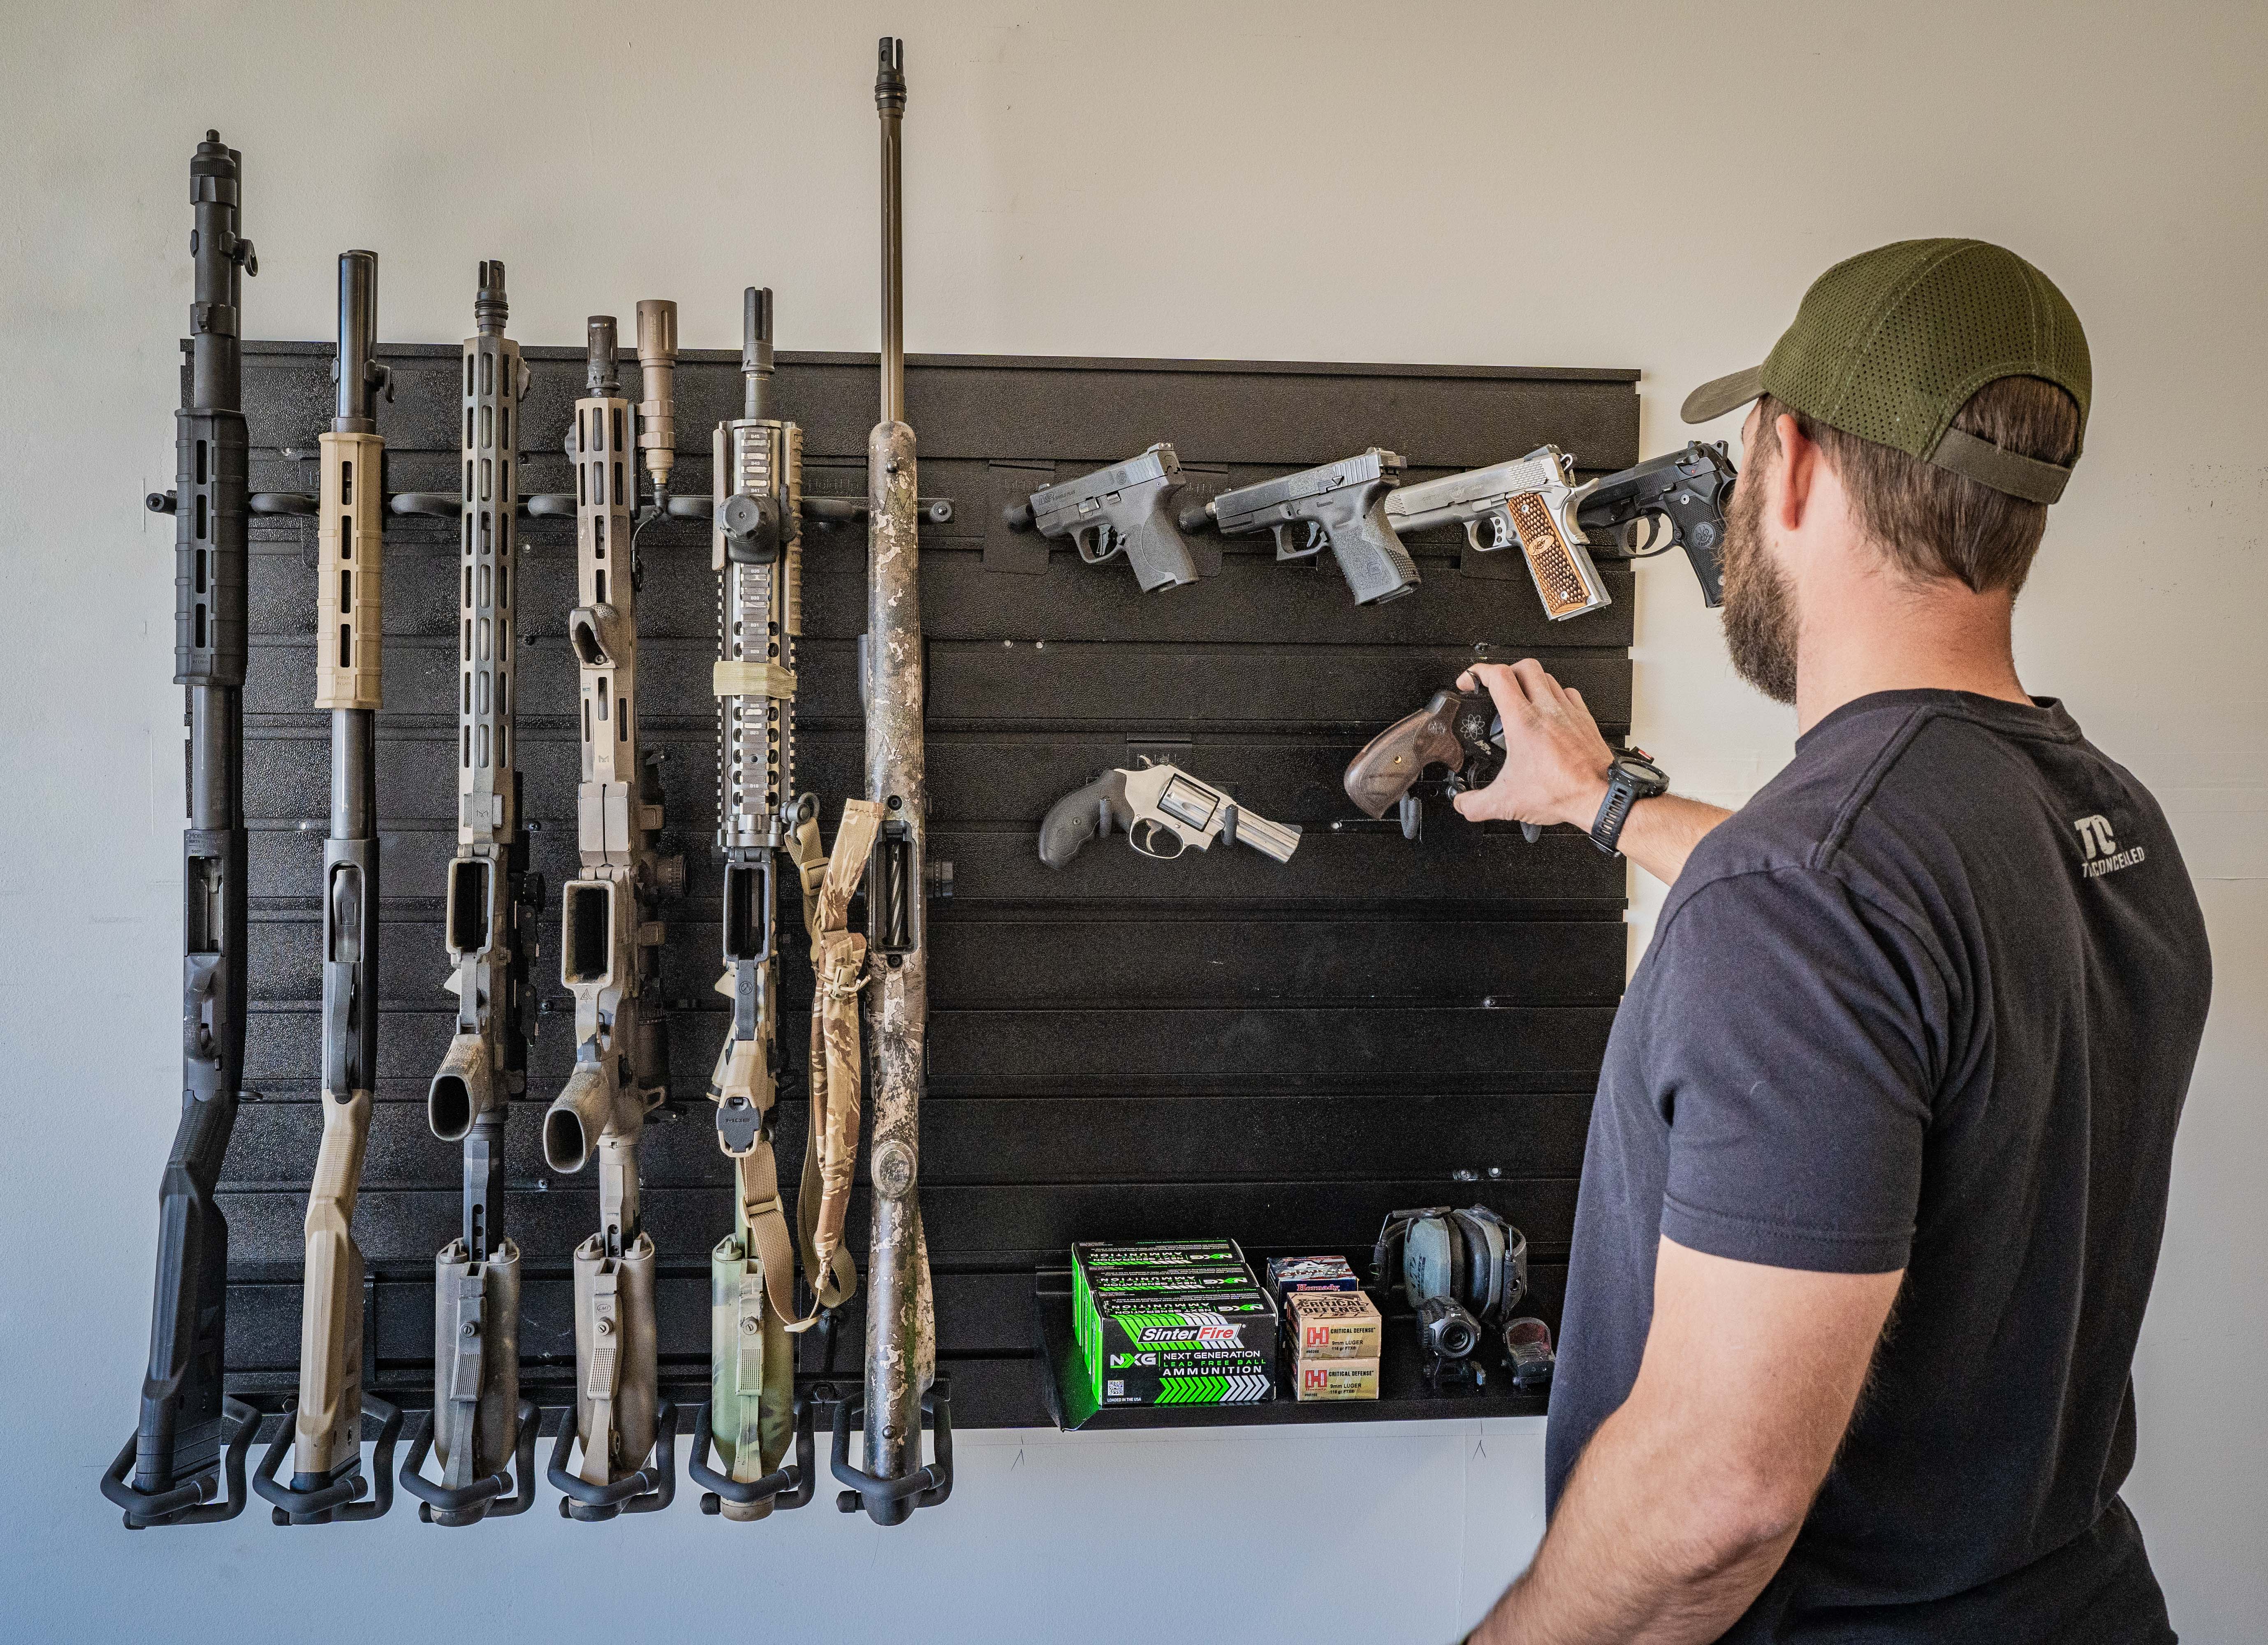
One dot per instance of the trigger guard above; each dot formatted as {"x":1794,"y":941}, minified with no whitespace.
{"x":1105,"y":540}
{"x":1145,"y":831}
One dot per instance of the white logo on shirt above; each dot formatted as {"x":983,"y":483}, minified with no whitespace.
{"x":2099,"y":848}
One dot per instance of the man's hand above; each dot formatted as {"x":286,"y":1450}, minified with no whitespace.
{"x":1687,"y":1499}
{"x":1555,"y":770}
{"x":1555,"y":765}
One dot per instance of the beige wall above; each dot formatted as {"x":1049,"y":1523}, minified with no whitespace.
{"x":1583,"y":185}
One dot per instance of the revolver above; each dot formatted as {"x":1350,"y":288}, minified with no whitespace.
{"x":1128,"y":506}
{"x":1688,"y":490}
{"x":1163,"y":811}
{"x":1340,"y":504}
{"x":1459,"y":730}
{"x":1529,"y":503}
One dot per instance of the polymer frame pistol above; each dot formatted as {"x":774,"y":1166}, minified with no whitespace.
{"x":1342,"y":505}
{"x":1125,"y":508}
{"x":610,"y":958}
{"x":325,"y":1437}
{"x":479,"y":1426}
{"x":190,"y":1433}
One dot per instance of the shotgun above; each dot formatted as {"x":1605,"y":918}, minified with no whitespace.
{"x":327,"y":1482}
{"x":610,"y":957}
{"x":479,"y":1425}
{"x":191,"y":1432}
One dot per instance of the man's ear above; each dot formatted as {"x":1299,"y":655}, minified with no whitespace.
{"x":1796,"y":479}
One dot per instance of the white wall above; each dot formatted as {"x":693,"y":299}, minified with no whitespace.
{"x":1603,"y":184}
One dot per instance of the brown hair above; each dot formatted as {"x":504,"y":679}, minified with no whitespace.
{"x":1931,"y":522}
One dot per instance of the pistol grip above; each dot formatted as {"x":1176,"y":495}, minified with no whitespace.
{"x":1378,"y":568}
{"x":1708,"y":562}
{"x":1159,"y":554}
{"x":1082,"y":814}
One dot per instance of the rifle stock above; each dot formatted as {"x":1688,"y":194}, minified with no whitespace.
{"x":328,"y":1483}
{"x":187,"y":1428}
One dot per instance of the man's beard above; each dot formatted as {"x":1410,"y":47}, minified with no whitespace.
{"x":1760,"y":620}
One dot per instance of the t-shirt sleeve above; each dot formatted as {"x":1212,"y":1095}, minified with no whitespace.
{"x":1789,"y":1048}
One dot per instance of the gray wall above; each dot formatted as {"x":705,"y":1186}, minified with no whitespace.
{"x":1601,"y":185}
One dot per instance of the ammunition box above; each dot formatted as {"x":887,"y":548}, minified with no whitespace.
{"x":1190,"y":1288}
{"x":1184,"y":1376}
{"x":1148,"y":1349}
{"x":1092,"y":1259}
{"x":1336,"y":1379}
{"x":1288,"y":1274}
{"x":1332,"y":1325}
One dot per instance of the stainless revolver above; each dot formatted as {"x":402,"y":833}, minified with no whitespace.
{"x":1163,"y":811}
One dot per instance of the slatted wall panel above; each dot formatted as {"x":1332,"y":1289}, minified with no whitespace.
{"x":1123,"y":1050}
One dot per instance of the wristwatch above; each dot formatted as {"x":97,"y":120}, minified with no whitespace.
{"x":1631,"y":777}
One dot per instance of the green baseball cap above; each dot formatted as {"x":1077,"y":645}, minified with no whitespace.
{"x":1890,"y":344}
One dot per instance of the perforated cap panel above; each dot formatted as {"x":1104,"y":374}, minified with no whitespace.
{"x":1890,"y":344}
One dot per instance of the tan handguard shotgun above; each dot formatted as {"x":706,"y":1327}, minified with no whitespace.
{"x":328,"y":1481}
{"x":609,"y":957}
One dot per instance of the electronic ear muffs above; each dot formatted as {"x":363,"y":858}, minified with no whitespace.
{"x":1462,"y":1273}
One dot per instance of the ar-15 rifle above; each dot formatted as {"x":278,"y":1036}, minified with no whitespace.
{"x":328,"y":1483}
{"x":1686,"y":491}
{"x":189,"y":1431}
{"x":757,"y":551}
{"x":1128,"y":506}
{"x":1342,"y":504}
{"x":902,"y":1383}
{"x":609,"y":949}
{"x":1153,"y":804}
{"x":479,"y":1425}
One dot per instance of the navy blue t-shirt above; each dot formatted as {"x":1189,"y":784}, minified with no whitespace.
{"x":1929,"y":1001}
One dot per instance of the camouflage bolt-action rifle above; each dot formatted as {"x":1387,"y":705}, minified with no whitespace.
{"x":179,"y":1450}
{"x":757,"y":551}
{"x":328,"y":1483}
{"x":480,"y":1425}
{"x":609,"y":955}
{"x":900,"y":1333}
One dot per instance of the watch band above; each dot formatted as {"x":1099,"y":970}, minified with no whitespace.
{"x":1631,"y":777}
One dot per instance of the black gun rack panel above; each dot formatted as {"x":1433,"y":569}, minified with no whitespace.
{"x":1123,"y":1050}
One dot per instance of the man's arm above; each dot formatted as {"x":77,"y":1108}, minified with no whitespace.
{"x":1687,"y":1499}
{"x":1555,"y":770}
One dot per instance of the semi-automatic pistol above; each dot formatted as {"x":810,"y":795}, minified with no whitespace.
{"x":1127,"y":507}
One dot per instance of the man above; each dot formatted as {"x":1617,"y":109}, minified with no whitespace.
{"x":1878,"y":1167}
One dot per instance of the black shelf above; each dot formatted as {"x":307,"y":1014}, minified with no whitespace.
{"x":1404,"y":1393}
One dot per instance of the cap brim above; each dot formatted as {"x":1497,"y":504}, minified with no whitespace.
{"x":1711,"y":400}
